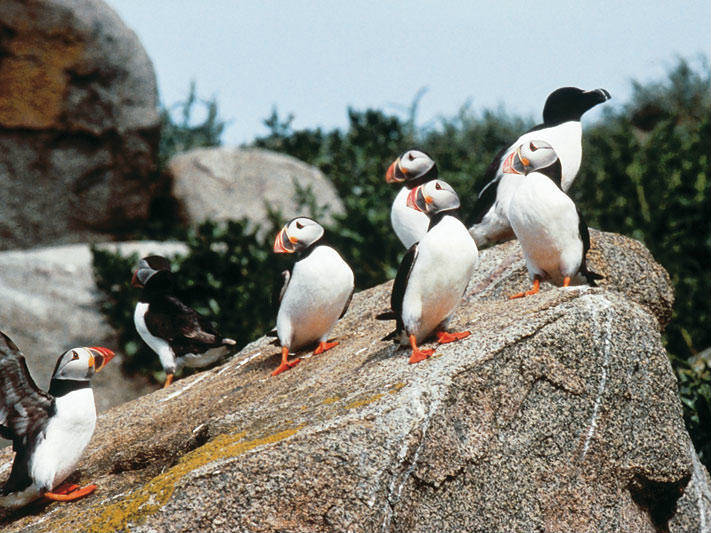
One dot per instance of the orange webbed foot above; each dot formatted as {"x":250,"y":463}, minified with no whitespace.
{"x":67,"y":493}
{"x":168,"y":380}
{"x":536,"y":287}
{"x":443,"y":337}
{"x":417,"y":354}
{"x":566,"y":281}
{"x":285,"y":365}
{"x":324,"y":346}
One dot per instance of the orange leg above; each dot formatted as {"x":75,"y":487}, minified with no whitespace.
{"x":566,"y":281}
{"x":323,"y":346}
{"x":534,"y":290}
{"x":285,"y":365}
{"x":418,"y":355}
{"x":168,"y":380}
{"x":67,"y":493}
{"x":444,"y":337}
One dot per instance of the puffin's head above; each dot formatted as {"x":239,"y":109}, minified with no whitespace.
{"x":154,"y":269}
{"x":82,"y":363}
{"x":569,"y":103}
{"x":296,"y":235}
{"x":529,"y":157}
{"x":411,"y":166}
{"x":433,"y":197}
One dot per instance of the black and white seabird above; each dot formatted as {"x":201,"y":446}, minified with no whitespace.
{"x":49,"y":430}
{"x":561,"y":128}
{"x":548,"y":225}
{"x":412,"y":168}
{"x":315,"y":294}
{"x":434,"y":273}
{"x":174,"y":331}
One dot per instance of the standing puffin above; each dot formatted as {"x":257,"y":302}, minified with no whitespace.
{"x":177,"y":333}
{"x":434,"y":273}
{"x":49,"y":430}
{"x":315,"y":294}
{"x":412,"y":168}
{"x":561,"y":128}
{"x":550,"y":228}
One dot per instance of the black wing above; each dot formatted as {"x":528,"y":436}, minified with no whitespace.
{"x":537,"y":127}
{"x":24,"y":411}
{"x":400,"y":283}
{"x":278,"y":293}
{"x":590,"y":276}
{"x":487,"y":196}
{"x":182,"y":326}
{"x":348,"y":303}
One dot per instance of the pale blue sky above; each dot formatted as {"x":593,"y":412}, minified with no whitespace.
{"x":314,"y":59}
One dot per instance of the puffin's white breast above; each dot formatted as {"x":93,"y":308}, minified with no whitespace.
{"x":67,"y":434}
{"x":409,"y":224}
{"x":545,"y":221}
{"x":446,"y":259}
{"x":319,"y":287}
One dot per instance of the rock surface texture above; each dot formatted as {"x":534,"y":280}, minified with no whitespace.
{"x":232,"y":183}
{"x":78,"y":123}
{"x":559,"y":413}
{"x":51,"y":304}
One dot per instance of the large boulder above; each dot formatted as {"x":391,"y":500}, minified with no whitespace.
{"x":79,"y":126}
{"x":559,"y":413}
{"x":51,"y":304}
{"x":233,"y":183}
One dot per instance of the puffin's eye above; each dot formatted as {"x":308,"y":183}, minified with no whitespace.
{"x":299,"y":225}
{"x":438,"y":186}
{"x":75,"y":356}
{"x":532,"y":147}
{"x":410,"y":156}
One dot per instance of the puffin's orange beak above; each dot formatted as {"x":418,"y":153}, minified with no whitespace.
{"x":391,"y":176}
{"x":282,"y":243}
{"x":100,"y":356}
{"x":135,"y":282}
{"x":412,"y":198}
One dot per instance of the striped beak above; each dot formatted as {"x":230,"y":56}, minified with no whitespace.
{"x":99,"y":357}
{"x":395,"y":174}
{"x":283,"y":244}
{"x":417,"y":199}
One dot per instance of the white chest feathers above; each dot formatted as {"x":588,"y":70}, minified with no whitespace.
{"x":546,"y":221}
{"x":446,"y":259}
{"x":318,"y":290}
{"x":409,"y":224}
{"x":67,"y":434}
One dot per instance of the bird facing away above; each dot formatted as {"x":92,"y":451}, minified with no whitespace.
{"x":412,"y":168}
{"x":49,"y":430}
{"x":177,"y":333}
{"x":434,"y":273}
{"x":315,"y":293}
{"x":561,"y":128}
{"x":551,"y":230}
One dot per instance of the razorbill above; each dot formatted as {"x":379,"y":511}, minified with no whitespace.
{"x":49,"y":430}
{"x":561,"y":128}
{"x":315,"y":293}
{"x":548,"y":225}
{"x":174,"y":331}
{"x":412,"y":168}
{"x":434,"y":273}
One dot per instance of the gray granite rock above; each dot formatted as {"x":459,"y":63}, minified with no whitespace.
{"x":559,"y":413}
{"x":231,"y":183}
{"x":79,"y":124}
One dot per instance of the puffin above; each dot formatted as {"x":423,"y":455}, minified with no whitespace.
{"x":412,"y":168}
{"x":49,"y":430}
{"x":316,"y":291}
{"x":433,"y":274}
{"x":561,"y":128}
{"x":550,"y":228}
{"x":177,"y":333}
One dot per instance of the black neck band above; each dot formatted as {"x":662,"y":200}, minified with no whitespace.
{"x":60,"y":387}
